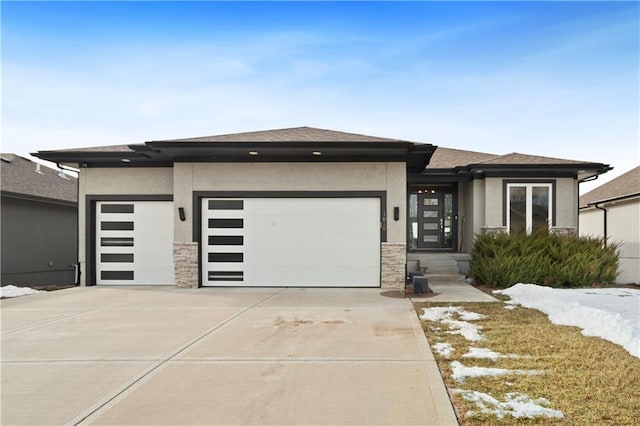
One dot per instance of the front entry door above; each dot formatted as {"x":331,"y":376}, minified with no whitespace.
{"x":432,"y":218}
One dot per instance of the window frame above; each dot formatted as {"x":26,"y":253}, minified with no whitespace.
{"x":529,"y":185}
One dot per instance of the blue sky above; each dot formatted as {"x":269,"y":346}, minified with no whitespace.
{"x":550,"y":78}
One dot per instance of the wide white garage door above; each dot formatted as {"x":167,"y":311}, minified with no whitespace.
{"x":291,"y":242}
{"x":134,"y":242}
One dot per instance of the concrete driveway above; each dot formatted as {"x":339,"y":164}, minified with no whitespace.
{"x":157,"y":355}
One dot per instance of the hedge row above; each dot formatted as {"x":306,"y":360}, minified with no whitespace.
{"x":501,"y":260}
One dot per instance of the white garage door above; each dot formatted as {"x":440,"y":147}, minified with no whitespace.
{"x":291,"y":242}
{"x":134,"y":242}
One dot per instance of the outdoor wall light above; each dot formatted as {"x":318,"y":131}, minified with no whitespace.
{"x":396,"y":213}
{"x":181,"y":214}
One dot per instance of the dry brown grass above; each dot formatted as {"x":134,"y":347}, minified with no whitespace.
{"x":592,"y":381}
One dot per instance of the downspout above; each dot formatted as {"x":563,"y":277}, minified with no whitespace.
{"x":605,"y":222}
{"x":77,"y":269}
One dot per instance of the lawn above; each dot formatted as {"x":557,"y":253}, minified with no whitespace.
{"x":516,"y":357}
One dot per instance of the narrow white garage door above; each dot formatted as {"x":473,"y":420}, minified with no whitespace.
{"x":134,"y":242}
{"x":291,"y":242}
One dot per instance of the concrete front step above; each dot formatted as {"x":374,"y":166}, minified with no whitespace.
{"x":441,"y":270}
{"x":441,"y":263}
{"x":445,"y":278}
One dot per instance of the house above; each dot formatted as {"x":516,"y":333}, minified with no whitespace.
{"x":39,"y":223}
{"x":612,"y":211}
{"x":301,"y":206}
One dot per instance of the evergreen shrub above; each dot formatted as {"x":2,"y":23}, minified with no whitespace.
{"x":501,"y":260}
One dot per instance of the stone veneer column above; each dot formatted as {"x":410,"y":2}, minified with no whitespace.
{"x":185,"y":259}
{"x":394,"y":259}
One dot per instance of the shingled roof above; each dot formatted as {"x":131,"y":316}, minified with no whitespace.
{"x":445,"y":158}
{"x":448,"y":158}
{"x":294,"y":134}
{"x":23,"y":177}
{"x":624,"y":186}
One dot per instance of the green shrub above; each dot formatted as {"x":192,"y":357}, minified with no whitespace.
{"x":501,"y":260}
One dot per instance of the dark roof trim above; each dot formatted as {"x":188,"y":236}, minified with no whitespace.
{"x":165,"y":153}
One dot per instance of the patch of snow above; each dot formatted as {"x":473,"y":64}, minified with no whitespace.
{"x":444,"y":349}
{"x":510,"y":307}
{"x":486,"y":353}
{"x":461,"y":372}
{"x":612,"y":314}
{"x":515,"y":404}
{"x":445,"y":315}
{"x":13,"y":291}
{"x":439,"y":313}
{"x":469,"y":331}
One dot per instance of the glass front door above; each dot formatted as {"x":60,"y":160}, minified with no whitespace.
{"x":432,"y":218}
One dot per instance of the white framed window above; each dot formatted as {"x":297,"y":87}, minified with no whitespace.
{"x":529,"y":206}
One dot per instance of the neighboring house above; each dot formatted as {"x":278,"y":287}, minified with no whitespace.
{"x":612,"y":211}
{"x":39,"y":212}
{"x":301,"y":207}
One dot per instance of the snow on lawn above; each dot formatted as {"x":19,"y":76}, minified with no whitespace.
{"x":486,"y":353}
{"x":13,"y":291}
{"x":461,"y":372}
{"x":610,"y":313}
{"x":445,"y":315}
{"x":514,"y":404}
{"x":444,"y":349}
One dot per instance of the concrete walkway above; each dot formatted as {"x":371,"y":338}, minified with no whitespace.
{"x":153,"y":355}
{"x":452,"y":288}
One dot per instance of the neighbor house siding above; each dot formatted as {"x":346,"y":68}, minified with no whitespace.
{"x":117,"y":181}
{"x":623,"y":228}
{"x":39,"y":242}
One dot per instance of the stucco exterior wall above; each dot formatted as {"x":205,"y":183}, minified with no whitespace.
{"x":185,"y":178}
{"x":465,"y":216}
{"x":566,"y":207}
{"x":389,"y":177}
{"x":117,"y":181}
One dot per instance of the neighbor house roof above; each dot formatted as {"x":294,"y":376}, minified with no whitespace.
{"x":624,"y":186}
{"x":24,"y":178}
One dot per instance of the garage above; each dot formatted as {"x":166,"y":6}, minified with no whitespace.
{"x":134,"y":243}
{"x":291,"y":242}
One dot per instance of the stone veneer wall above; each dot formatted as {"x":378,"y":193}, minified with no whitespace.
{"x":564,"y":231}
{"x":494,"y":229}
{"x":394,"y":259}
{"x":185,"y":259}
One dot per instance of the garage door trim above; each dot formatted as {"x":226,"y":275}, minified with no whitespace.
{"x":199,"y":195}
{"x":90,"y":225}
